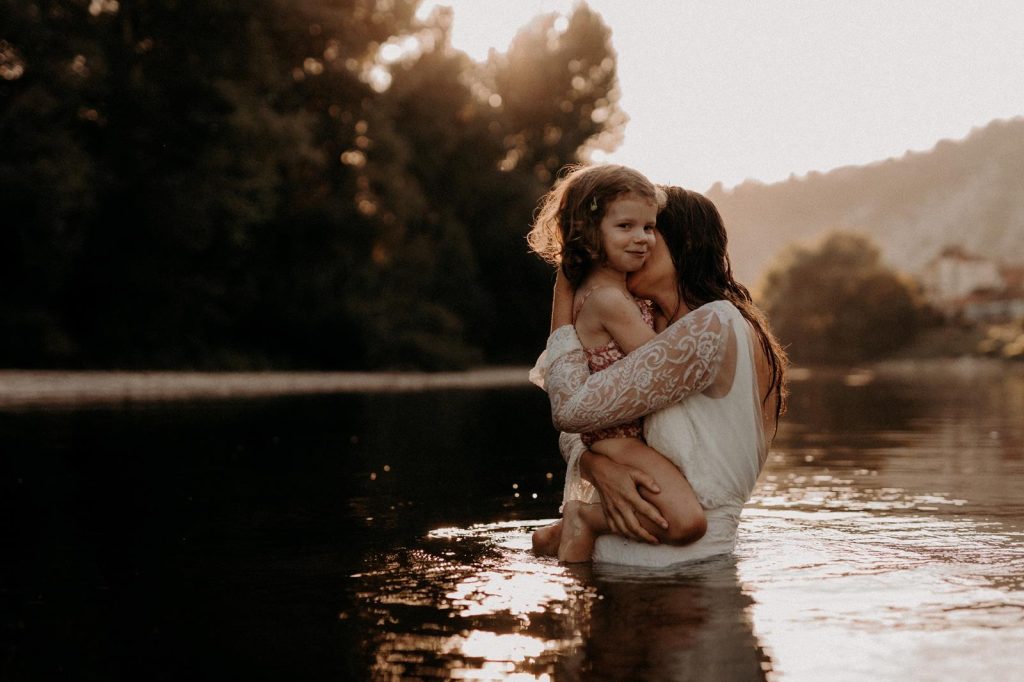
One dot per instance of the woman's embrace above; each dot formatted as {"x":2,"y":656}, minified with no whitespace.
{"x":710,"y":388}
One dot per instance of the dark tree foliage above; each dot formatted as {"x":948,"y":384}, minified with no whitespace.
{"x":280,"y":183}
{"x":837,"y":303}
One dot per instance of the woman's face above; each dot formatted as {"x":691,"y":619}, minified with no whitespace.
{"x":657,"y":278}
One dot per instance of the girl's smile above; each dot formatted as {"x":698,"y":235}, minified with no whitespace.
{"x":627,"y":232}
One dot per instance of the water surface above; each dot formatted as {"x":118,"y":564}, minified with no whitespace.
{"x":386,"y":536}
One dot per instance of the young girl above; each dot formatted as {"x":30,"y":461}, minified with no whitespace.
{"x":597,"y":225}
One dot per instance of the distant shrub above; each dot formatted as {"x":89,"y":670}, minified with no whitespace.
{"x":837,"y":303}
{"x":1004,"y":341}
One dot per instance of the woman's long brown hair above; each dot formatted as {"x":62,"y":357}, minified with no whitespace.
{"x":696,"y":239}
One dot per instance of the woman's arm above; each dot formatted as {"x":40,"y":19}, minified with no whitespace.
{"x":589,"y":474}
{"x":619,"y":486}
{"x":561,"y":301}
{"x":682,"y":360}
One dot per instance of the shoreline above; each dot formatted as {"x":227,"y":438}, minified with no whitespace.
{"x":962,"y":365}
{"x":56,"y":388}
{"x":62,"y":388}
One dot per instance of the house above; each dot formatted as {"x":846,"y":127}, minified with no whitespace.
{"x":966,"y":286}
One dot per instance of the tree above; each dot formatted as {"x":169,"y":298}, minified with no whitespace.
{"x":838,"y":303}
{"x":265,"y":183}
{"x":167,"y":132}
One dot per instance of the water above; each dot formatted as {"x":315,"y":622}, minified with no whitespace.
{"x":387,"y":536}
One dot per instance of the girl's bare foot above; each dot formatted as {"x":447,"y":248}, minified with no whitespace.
{"x":577,"y":541}
{"x":545,"y":540}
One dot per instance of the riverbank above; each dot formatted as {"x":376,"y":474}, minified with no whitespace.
{"x":53,"y":388}
{"x":962,"y":366}
{"x":24,"y":388}
{"x":998,"y":341}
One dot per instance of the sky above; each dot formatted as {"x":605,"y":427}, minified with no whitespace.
{"x":729,"y":90}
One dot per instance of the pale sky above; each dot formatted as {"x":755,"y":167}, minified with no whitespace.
{"x":725,"y":90}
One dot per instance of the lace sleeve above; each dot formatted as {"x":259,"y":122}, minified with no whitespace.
{"x":563,"y":340}
{"x":682,"y":360}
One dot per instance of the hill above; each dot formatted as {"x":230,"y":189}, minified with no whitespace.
{"x":968,"y":192}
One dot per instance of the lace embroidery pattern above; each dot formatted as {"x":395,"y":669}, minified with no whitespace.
{"x":563,"y":340}
{"x":682,"y":360}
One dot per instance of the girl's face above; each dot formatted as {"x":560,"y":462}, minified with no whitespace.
{"x":658,"y":275}
{"x":627,"y":232}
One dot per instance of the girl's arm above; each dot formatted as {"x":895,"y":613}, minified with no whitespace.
{"x":621,"y":318}
{"x":682,"y":360}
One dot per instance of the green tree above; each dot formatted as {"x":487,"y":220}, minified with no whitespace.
{"x":254,"y":184}
{"x":837,"y":303}
{"x":164,"y":128}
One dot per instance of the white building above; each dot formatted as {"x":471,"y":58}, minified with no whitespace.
{"x":954,"y":274}
{"x":964,"y":285}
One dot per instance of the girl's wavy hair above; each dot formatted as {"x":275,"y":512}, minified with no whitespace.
{"x":566,"y":227}
{"x":694,"y":233}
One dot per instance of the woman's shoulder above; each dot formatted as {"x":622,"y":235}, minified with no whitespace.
{"x":727,"y":314}
{"x":720,"y":306}
{"x":709,"y":321}
{"x":722,"y":310}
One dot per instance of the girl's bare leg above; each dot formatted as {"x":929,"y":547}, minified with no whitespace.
{"x":581,"y":524}
{"x":677,"y":503}
{"x":546,"y":539}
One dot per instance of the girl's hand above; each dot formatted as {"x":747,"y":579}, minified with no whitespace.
{"x":561,"y":303}
{"x":620,"y":497}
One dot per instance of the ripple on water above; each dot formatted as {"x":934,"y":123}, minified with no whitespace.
{"x":818,"y":594}
{"x":843,"y":595}
{"x":472,"y":603}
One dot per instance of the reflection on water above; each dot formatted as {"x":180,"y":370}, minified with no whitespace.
{"x":888,"y":544}
{"x":883,"y":542}
{"x":873,"y":595}
{"x":387,"y":537}
{"x":475,"y":603}
{"x":808,"y":595}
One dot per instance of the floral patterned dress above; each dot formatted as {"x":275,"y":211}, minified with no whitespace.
{"x":600,"y":359}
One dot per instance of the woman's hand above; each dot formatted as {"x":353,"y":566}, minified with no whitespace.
{"x":561,"y":302}
{"x":620,"y":496}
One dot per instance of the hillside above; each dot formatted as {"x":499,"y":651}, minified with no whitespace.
{"x":969,"y":192}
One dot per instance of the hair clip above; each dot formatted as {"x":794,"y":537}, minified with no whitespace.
{"x":593,"y":204}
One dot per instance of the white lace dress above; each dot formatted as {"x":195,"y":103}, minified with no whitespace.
{"x":718,"y":442}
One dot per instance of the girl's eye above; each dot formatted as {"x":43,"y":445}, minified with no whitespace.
{"x":648,"y":228}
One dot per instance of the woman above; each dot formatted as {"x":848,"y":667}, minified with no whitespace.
{"x":711,"y":384}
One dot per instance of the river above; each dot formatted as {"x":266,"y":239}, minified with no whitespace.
{"x":386,"y":536}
